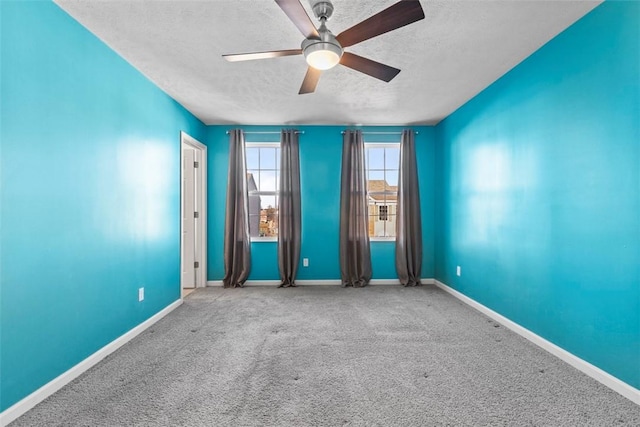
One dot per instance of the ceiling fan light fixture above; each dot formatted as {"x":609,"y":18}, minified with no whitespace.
{"x":322,"y":50}
{"x":322,"y":55}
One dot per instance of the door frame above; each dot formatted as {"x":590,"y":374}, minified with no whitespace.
{"x":187,"y":141}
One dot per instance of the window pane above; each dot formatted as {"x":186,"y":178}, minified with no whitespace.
{"x":382,"y":184}
{"x":263,"y":164}
{"x":254,"y":204}
{"x":376,"y":181}
{"x":391,"y":176}
{"x":267,"y":158}
{"x":375,"y":158}
{"x":269,"y":216}
{"x":252,"y":180}
{"x":382,"y":228}
{"x":393,"y":208}
{"x":254,"y":214}
{"x":391,"y":226}
{"x":267,"y":202}
{"x":252,"y":154}
{"x":254,"y":225}
{"x":268,"y":181}
{"x":392,"y":158}
{"x":378,"y":227}
{"x":373,"y":217}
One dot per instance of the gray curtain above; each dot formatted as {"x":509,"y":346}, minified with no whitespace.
{"x":355,"y":254}
{"x":237,"y":243}
{"x":289,"y":216}
{"x":408,"y":221}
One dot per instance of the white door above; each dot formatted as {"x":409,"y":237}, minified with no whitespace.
{"x":188,"y":219}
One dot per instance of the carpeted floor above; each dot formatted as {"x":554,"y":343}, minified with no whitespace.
{"x":328,"y":356}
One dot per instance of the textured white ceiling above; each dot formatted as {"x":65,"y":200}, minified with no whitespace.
{"x":456,"y":51}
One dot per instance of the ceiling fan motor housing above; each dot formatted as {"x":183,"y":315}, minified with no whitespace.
{"x":322,"y":9}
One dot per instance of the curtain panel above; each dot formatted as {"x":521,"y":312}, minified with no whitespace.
{"x":237,"y":242}
{"x":355,"y":253}
{"x":289,"y":214}
{"x":408,"y":220}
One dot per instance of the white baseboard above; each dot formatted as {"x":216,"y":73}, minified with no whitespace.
{"x":22,"y":406}
{"x":594,"y":372}
{"x":383,"y":282}
{"x":252,"y":283}
{"x":323,"y":282}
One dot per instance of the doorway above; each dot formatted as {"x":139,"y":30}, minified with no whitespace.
{"x":193,"y":214}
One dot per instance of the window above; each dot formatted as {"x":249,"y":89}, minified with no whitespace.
{"x":382,"y":163}
{"x":383,"y":213}
{"x":263,"y":173}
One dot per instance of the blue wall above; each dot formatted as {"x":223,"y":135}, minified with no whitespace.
{"x":320,"y":163}
{"x":90,"y":196}
{"x":539,"y":192}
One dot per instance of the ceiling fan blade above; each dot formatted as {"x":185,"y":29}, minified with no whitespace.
{"x":400,"y":14}
{"x":261,"y":55}
{"x":296,"y":13}
{"x":310,"y":81}
{"x":367,"y":66}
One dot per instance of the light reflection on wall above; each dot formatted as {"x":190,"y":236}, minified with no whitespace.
{"x":486,"y":178}
{"x":137,"y":197}
{"x":493,"y":173}
{"x":489,"y":170}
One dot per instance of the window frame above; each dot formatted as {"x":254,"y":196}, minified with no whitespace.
{"x":387,"y":144}
{"x":275,"y":193}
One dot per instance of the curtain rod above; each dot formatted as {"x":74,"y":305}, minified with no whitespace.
{"x":380,"y":133}
{"x":266,"y":132}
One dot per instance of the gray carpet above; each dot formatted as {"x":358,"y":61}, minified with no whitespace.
{"x":328,"y":356}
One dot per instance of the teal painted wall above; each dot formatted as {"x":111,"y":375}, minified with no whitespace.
{"x":320,"y":163}
{"x":90,"y":196}
{"x":539,"y":192}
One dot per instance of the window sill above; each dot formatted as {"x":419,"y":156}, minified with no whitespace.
{"x":382,"y":239}
{"x":263,"y":239}
{"x":275,"y":239}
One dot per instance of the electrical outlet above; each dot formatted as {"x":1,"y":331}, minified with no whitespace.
{"x":305,"y":262}
{"x":458,"y":271}
{"x":140,"y":294}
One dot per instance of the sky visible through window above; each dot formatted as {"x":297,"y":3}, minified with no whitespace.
{"x":383,"y":163}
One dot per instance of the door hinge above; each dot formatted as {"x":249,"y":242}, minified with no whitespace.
{"x":196,"y":215}
{"x":196,"y":164}
{"x":196,"y":264}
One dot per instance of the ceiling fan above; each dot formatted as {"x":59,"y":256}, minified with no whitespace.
{"x":322,"y":50}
